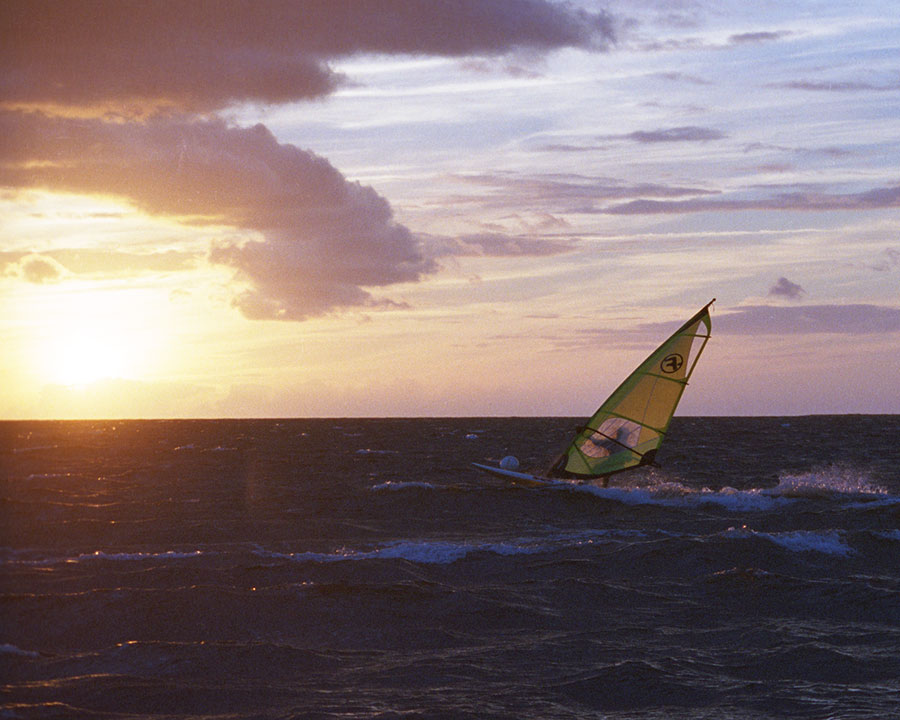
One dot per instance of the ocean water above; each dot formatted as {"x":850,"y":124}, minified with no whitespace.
{"x":361,"y":569}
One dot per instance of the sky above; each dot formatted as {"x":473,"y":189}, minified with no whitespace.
{"x":334,"y":208}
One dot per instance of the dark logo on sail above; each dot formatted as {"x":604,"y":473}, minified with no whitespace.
{"x":671,"y":363}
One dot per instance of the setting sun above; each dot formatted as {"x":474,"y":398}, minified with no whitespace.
{"x":81,"y":333}
{"x":83,"y":355}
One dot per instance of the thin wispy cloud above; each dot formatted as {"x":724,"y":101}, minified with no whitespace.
{"x":874,"y":199}
{"x":571,"y":193}
{"x":840,"y":86}
{"x":63,"y":262}
{"x":497,"y":245}
{"x":683,"y":78}
{"x":857,"y":319}
{"x":672,"y":135}
{"x":755,"y":38}
{"x":830,"y":152}
{"x":779,"y":320}
{"x":736,"y":40}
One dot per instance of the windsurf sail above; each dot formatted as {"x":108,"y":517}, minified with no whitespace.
{"x":628,"y":428}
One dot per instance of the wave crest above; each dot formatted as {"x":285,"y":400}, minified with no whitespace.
{"x":827,"y":482}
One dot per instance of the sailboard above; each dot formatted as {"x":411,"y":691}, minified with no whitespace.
{"x":627,"y":429}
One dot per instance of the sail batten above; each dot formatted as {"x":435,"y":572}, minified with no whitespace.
{"x":663,"y":377}
{"x":629,"y":426}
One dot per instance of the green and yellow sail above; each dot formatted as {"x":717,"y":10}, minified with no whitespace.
{"x":629,"y":427}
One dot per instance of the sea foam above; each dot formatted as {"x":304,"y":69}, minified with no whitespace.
{"x":829,"y":542}
{"x":672,"y":494}
{"x":827,"y":483}
{"x":444,"y":552}
{"x":403,"y":485}
{"x":100,"y":555}
{"x":7,"y":649}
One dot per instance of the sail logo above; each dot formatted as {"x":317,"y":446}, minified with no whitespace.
{"x":671,"y":363}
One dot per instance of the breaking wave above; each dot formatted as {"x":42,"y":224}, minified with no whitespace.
{"x":829,"y":542}
{"x":444,"y":552}
{"x":403,"y":485}
{"x":827,"y":482}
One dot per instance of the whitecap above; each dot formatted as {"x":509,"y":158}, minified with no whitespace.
{"x":426,"y":552}
{"x":827,"y":483}
{"x":829,"y":542}
{"x":445,"y":552}
{"x":34,"y":448}
{"x":673,"y":494}
{"x":739,"y":500}
{"x":48,"y":476}
{"x":403,"y":485}
{"x":8,"y":649}
{"x":167,"y":555}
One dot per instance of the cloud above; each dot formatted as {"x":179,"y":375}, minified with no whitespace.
{"x":683,"y":77}
{"x":484,"y":66}
{"x":88,"y":261}
{"x":698,"y":43}
{"x":887,"y":260}
{"x":202,"y":56}
{"x":877,"y":198}
{"x":677,"y":134}
{"x":574,"y":193}
{"x":786,"y":289}
{"x":829,"y":152}
{"x":839,"y":86}
{"x":31,"y":267}
{"x":755,"y":38}
{"x":322,"y":237}
{"x":812,"y":319}
{"x":125,"y":91}
{"x":498,"y":245}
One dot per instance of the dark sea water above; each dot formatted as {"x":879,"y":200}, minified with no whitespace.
{"x":362,"y":569}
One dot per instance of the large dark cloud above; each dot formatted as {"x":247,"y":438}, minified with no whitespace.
{"x":154,"y":71}
{"x":206,"y":54}
{"x":322,"y":238}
